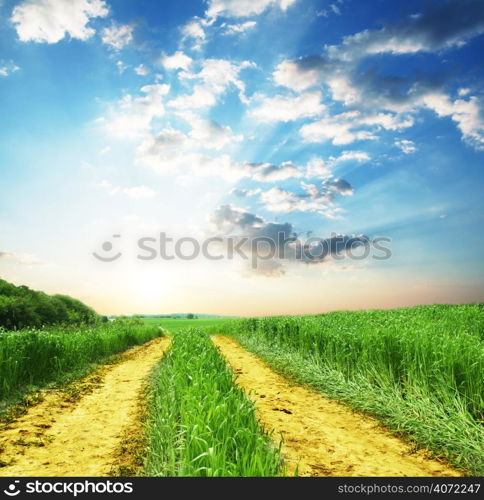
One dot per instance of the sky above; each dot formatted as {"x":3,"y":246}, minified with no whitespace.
{"x":331,"y":122}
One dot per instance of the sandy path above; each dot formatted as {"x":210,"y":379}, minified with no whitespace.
{"x":81,"y":437}
{"x":322,"y":437}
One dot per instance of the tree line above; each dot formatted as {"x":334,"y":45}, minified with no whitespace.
{"x":21,"y":307}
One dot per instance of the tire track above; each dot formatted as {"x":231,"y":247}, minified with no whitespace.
{"x":81,"y":438}
{"x":322,"y":437}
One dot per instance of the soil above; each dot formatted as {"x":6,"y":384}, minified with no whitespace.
{"x":81,"y":430}
{"x":322,"y":437}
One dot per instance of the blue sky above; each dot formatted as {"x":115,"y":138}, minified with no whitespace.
{"x":310,"y":117}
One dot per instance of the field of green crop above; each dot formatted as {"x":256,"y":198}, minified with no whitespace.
{"x":201,"y":424}
{"x":419,"y":370}
{"x":33,"y":357}
{"x":176,"y":324}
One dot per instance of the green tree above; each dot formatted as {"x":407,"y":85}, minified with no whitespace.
{"x":22,"y":307}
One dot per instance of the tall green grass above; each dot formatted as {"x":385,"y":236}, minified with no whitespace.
{"x":35,"y":357}
{"x":200,"y":423}
{"x":420,"y":370}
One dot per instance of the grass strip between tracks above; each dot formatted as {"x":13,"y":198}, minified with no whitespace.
{"x":200,"y":423}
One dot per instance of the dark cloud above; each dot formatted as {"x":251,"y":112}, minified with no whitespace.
{"x":314,"y":62}
{"x":339,"y":186}
{"x":266,"y":172}
{"x":444,"y":24}
{"x":270,"y":244}
{"x":317,"y":250}
{"x":352,"y":63}
{"x":441,"y":26}
{"x":227,"y":217}
{"x":390,"y":91}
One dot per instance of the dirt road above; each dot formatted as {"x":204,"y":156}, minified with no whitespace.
{"x":79,"y":433}
{"x":320,"y":436}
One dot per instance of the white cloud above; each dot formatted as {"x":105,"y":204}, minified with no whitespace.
{"x":166,"y":151}
{"x":141,"y":70}
{"x":312,"y":199}
{"x":7,"y":68}
{"x":173,"y":151}
{"x":195,"y":30}
{"x":243,"y":8}
{"x":215,"y":77}
{"x":163,"y":156}
{"x":338,"y":129}
{"x":297,"y":75}
{"x":244,"y":193}
{"x":356,"y":156}
{"x":336,"y":10}
{"x":174,"y":145}
{"x":388,"y":121}
{"x":283,"y":108}
{"x":366,"y":88}
{"x":468,"y":114}
{"x":352,"y":126}
{"x":238,"y":29}
{"x":220,"y":166}
{"x":211,"y":135}
{"x":279,"y":200}
{"x":200,"y":98}
{"x":178,"y":60}
{"x":266,"y":172}
{"x":117,"y":36}
{"x":50,"y":21}
{"x":406,"y":146}
{"x":122,"y":67}
{"x":133,"y":115}
{"x":333,"y":9}
{"x":318,"y":167}
{"x":364,"y":91}
{"x":371,"y":42}
{"x":342,"y":89}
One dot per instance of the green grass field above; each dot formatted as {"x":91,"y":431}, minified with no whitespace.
{"x":32,"y":358}
{"x":419,"y":370}
{"x":176,"y":324}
